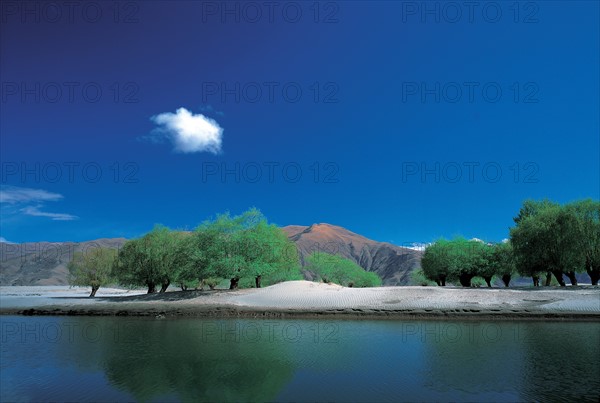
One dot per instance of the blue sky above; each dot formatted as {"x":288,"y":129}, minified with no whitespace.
{"x":398,"y":122}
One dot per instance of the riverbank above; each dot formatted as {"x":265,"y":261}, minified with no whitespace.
{"x":303,"y":299}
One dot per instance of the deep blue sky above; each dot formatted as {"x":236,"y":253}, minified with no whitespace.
{"x":377,"y":63}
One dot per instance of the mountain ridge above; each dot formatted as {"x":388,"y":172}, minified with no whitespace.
{"x":45,"y":263}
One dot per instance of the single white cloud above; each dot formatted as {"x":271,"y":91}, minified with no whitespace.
{"x":4,"y":240}
{"x":12,"y":195}
{"x":189,"y":133}
{"x":36,"y":212}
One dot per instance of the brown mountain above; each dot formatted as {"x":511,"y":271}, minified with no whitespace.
{"x":45,"y":263}
{"x":392,"y":263}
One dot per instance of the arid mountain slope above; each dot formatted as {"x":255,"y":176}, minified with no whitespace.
{"x":392,"y":263}
{"x":43,"y":263}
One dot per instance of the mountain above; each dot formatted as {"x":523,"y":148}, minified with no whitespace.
{"x":45,"y":263}
{"x":392,"y":263}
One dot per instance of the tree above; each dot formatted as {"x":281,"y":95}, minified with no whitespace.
{"x":242,"y":246}
{"x":458,"y":259}
{"x":468,"y":259}
{"x":92,"y":268}
{"x":481,"y":259}
{"x":587,"y":233}
{"x":436,"y":261}
{"x":545,"y":239}
{"x":527,"y":241}
{"x":336,"y":269}
{"x":503,"y":261}
{"x":266,"y":249}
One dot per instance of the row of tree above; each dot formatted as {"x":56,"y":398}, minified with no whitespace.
{"x":236,"y":248}
{"x":462,"y":260}
{"x":547,"y":239}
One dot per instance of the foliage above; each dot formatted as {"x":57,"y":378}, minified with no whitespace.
{"x":547,"y":237}
{"x":418,"y":278}
{"x":435,"y":262}
{"x":587,"y":233}
{"x":151,"y":260}
{"x":92,"y":268}
{"x":336,"y":269}
{"x":243,"y":246}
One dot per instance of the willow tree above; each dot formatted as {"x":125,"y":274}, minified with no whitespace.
{"x":546,"y":239}
{"x":92,"y":268}
{"x":436,"y":261}
{"x":503,"y":261}
{"x":587,"y":233}
{"x":336,"y":269}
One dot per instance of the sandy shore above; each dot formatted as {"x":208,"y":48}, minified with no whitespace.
{"x":307,"y":299}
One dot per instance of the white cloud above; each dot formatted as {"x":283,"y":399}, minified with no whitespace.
{"x":12,"y":194}
{"x":20,"y":200}
{"x":36,"y":212}
{"x":4,"y":240}
{"x":190,"y":133}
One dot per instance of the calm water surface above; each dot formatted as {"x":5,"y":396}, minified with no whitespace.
{"x":124,"y":359}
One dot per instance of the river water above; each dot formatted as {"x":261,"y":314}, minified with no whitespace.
{"x":182,"y":359}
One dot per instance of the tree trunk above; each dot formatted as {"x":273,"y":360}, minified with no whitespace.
{"x":559,"y":277}
{"x":438,"y":282}
{"x":536,"y":281}
{"x":151,"y":288}
{"x":506,"y":279}
{"x":594,"y":275}
{"x":211,"y":286}
{"x":257,"y":281}
{"x":183,"y":287}
{"x":465,"y":280}
{"x":488,"y":281}
{"x":233,"y":283}
{"x":572,"y":278}
{"x":548,"y":279}
{"x":165,"y":285}
{"x":443,"y":280}
{"x":94,"y":289}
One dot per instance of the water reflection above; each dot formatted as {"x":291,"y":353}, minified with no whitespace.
{"x":123,"y":359}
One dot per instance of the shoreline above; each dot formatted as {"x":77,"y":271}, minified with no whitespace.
{"x":306,"y":300}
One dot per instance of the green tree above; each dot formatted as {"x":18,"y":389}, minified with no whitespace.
{"x":587,"y":233}
{"x":545,"y":239}
{"x":150,"y":260}
{"x":503,"y":261}
{"x":242,"y":246}
{"x":468,"y":259}
{"x":336,"y":269}
{"x":92,"y":268}
{"x":436,"y":261}
{"x":265,"y":250}
{"x":458,"y":259}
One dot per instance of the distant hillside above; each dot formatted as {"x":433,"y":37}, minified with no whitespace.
{"x":392,"y":263}
{"x":45,"y":263}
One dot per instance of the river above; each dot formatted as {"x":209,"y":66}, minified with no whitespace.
{"x":190,"y":359}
